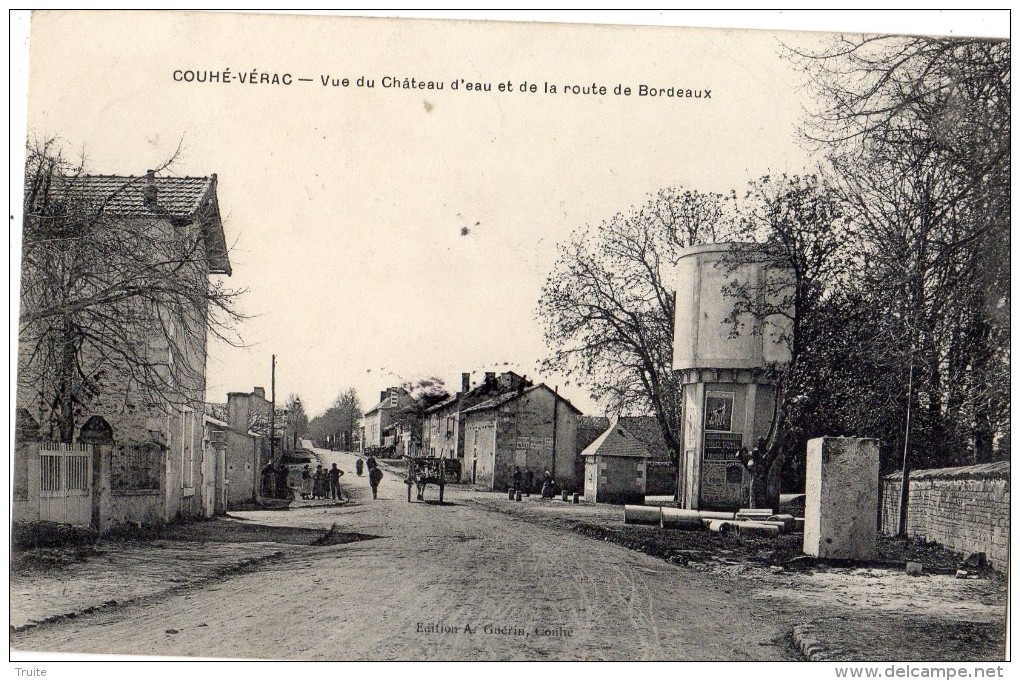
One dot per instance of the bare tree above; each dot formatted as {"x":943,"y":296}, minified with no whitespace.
{"x":115,"y":304}
{"x":343,"y":416}
{"x":918,"y":131}
{"x":608,"y":305}
{"x":795,"y":227}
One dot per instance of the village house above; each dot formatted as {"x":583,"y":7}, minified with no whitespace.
{"x":377,"y":431}
{"x":661,"y":469}
{"x":443,"y":434}
{"x":531,"y":428}
{"x":618,"y":463}
{"x":245,"y":426}
{"x":135,"y":459}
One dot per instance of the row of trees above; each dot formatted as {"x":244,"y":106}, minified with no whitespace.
{"x":898,"y":245}
{"x":343,"y":416}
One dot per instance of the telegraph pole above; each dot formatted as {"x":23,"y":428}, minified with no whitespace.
{"x":556,"y":405}
{"x":272,"y":412}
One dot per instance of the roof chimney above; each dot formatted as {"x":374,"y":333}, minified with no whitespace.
{"x":259,"y":392}
{"x":490,"y":376}
{"x":383,"y":394}
{"x":150,"y":191}
{"x":465,"y":382}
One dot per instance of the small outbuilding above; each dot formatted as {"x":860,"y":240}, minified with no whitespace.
{"x":615,"y":467}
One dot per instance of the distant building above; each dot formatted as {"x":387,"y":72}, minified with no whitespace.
{"x":531,"y":428}
{"x":616,"y":467}
{"x":443,"y":435}
{"x":245,"y":425}
{"x":381,"y":417}
{"x":662,"y":473}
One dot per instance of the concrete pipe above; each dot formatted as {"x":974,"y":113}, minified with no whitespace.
{"x":565,"y":495}
{"x":754,"y":529}
{"x":577,"y":497}
{"x":715,"y":515}
{"x":798,"y":524}
{"x":518,"y":495}
{"x":753,"y":514}
{"x":510,"y":493}
{"x":785,"y":518}
{"x":720,"y":526}
{"x":679,"y":519}
{"x":641,"y":515}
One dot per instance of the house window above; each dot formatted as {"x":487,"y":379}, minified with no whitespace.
{"x":187,"y":448}
{"x":135,"y":467}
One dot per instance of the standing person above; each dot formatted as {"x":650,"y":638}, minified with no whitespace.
{"x":282,"y":483}
{"x":359,"y":466}
{"x":334,"y":483}
{"x":373,"y":479}
{"x":547,"y":486}
{"x":268,"y":477}
{"x":529,"y":482}
{"x":517,"y":479}
{"x":306,"y":482}
{"x":318,"y":484}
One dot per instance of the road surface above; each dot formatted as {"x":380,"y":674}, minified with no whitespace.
{"x":451,"y":582}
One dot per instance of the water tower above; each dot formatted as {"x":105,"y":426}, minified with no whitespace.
{"x":728,"y":396}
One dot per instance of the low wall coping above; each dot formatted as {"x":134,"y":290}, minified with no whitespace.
{"x":998,"y":470}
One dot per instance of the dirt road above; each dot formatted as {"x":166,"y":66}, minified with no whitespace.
{"x":451,"y":582}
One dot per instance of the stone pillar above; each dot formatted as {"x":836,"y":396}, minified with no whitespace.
{"x":842,"y":498}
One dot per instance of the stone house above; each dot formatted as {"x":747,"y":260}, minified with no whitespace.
{"x":379,"y":418}
{"x":245,"y":432}
{"x":443,"y":435}
{"x":148,"y":463}
{"x":532,"y":428}
{"x":616,"y":467}
{"x":662,"y":472}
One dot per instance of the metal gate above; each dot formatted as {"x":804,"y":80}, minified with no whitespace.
{"x":65,"y":483}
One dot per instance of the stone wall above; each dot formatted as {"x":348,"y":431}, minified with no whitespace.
{"x":965,"y":509}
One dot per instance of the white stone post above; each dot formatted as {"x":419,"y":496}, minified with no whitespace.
{"x":841,"y":505}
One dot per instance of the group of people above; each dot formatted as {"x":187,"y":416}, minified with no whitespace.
{"x":525,"y":482}
{"x":275,"y":481}
{"x":323,"y":484}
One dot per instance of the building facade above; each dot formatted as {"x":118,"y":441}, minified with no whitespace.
{"x":379,"y":418}
{"x":532,"y":428}
{"x":154,"y":460}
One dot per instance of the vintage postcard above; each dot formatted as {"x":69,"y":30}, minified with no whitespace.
{"x":464,"y":339}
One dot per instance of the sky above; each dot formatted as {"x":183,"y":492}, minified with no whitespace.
{"x":346,"y":206}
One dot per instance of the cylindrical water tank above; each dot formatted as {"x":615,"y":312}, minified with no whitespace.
{"x":710,"y":280}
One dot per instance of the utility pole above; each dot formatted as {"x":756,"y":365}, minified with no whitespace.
{"x":556,"y":406}
{"x":905,"y":483}
{"x":272,"y":412}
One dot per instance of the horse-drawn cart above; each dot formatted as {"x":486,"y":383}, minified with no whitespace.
{"x":425,"y":470}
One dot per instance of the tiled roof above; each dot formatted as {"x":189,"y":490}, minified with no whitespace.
{"x":647,"y":429}
{"x":441,"y":405}
{"x":179,"y":197}
{"x":617,"y":441}
{"x":186,"y":198}
{"x":385,"y":403}
{"x":506,"y":397}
